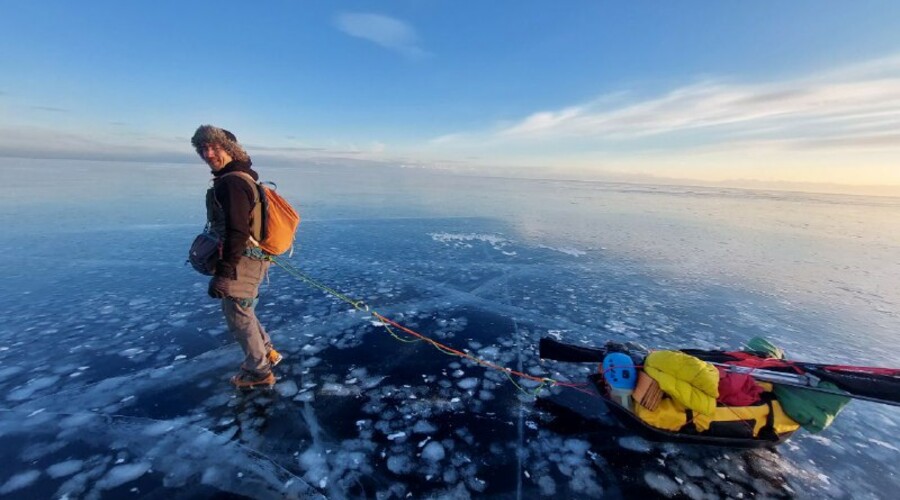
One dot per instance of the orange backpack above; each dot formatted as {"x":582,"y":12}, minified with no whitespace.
{"x":279,"y":219}
{"x":279,"y":222}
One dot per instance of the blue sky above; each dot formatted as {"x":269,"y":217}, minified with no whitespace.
{"x":803,"y":91}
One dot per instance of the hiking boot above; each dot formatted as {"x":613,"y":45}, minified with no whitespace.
{"x":274,"y":357}
{"x":247,"y":380}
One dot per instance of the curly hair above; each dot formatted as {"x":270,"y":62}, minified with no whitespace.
{"x":208,"y":134}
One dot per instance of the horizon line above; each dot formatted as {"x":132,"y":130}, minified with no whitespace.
{"x":525,"y":173}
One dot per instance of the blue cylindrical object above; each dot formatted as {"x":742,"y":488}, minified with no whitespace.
{"x":619,"y":372}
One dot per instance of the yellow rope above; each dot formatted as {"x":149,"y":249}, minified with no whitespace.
{"x":361,"y":306}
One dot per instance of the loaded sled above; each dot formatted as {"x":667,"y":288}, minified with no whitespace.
{"x":743,"y":399}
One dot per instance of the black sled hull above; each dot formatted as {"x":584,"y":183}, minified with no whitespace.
{"x":631,"y":421}
{"x":595,"y":413}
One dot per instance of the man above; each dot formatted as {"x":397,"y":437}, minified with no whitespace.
{"x":233,"y":212}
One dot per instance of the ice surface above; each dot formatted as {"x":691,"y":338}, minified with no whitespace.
{"x":137,"y":398}
{"x":19,"y":481}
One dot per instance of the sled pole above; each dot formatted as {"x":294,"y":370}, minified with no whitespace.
{"x":807,"y":382}
{"x":771,"y":376}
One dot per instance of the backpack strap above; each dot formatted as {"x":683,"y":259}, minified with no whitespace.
{"x":256,"y":224}
{"x":247,"y":177}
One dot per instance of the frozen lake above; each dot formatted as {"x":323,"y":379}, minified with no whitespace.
{"x":114,"y":363}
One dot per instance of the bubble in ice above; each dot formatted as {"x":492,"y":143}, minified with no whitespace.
{"x":424,"y":427}
{"x":66,"y":468}
{"x":315,"y":464}
{"x":468,"y":383}
{"x":433,"y":451}
{"x":286,"y":388}
{"x":577,"y":446}
{"x":122,"y":474}
{"x":399,"y":464}
{"x":19,"y":481}
{"x":305,"y":397}
{"x":33,"y":385}
{"x":661,"y":484}
{"x":635,"y":443}
{"x":334,"y":389}
{"x":547,"y":485}
{"x":396,"y":435}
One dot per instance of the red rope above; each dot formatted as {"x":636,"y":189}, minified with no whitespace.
{"x":463,"y":354}
{"x":581,"y":387}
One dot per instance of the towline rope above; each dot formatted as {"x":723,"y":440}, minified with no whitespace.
{"x":360,"y":305}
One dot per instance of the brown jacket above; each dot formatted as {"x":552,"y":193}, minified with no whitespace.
{"x":230,"y":205}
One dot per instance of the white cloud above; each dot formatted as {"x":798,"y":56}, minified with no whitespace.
{"x":836,"y":105}
{"x":40,"y":142}
{"x":447,"y":139}
{"x":386,"y":31}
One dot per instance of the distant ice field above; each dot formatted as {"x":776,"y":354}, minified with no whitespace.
{"x":114,"y":363}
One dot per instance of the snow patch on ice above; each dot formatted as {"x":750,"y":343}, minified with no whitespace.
{"x":464,"y":240}
{"x":566,"y":250}
{"x":883,"y":444}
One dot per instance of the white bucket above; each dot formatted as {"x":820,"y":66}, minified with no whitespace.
{"x":621,"y":396}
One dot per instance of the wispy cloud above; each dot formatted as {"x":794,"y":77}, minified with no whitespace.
{"x":448,"y":139}
{"x":37,"y":142}
{"x":385,"y":31}
{"x":51,"y":109}
{"x":46,"y":143}
{"x":859,"y":104}
{"x":284,"y":149}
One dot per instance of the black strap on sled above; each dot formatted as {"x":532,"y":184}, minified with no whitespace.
{"x":768,"y":431}
{"x":690,"y":427}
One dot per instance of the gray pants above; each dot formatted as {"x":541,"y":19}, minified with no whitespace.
{"x":241,"y":318}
